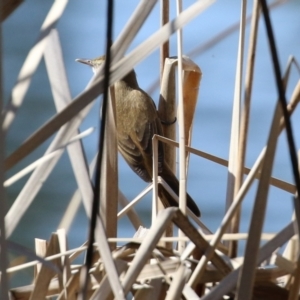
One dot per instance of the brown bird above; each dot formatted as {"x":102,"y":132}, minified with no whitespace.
{"x":137,"y":122}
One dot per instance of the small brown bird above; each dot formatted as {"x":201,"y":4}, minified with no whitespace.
{"x":137,"y":122}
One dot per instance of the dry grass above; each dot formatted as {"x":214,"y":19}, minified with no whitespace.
{"x":205,"y":264}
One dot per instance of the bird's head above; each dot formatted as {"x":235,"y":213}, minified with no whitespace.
{"x":95,"y":63}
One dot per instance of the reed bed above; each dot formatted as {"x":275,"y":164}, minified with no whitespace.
{"x":154,"y":264}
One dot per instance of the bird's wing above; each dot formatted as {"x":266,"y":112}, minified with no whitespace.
{"x":135,"y":144}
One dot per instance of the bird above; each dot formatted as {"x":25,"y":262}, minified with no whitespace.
{"x":137,"y":122}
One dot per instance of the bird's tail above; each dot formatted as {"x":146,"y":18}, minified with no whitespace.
{"x":173,"y":182}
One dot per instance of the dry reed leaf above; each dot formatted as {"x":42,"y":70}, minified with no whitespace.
{"x":74,"y":108}
{"x":189,"y":293}
{"x":144,"y":251}
{"x":71,"y":289}
{"x":213,"y":41}
{"x":228,"y":283}
{"x":104,"y":290}
{"x":131,"y":214}
{"x":295,"y":284}
{"x":130,"y":205}
{"x":248,"y":270}
{"x":202,"y":245}
{"x":155,"y":289}
{"x":167,"y":108}
{"x":8,"y":7}
{"x":45,"y":274}
{"x":24,"y":292}
{"x":155,"y":270}
{"x":142,"y":291}
{"x":286,"y":186}
{"x":284,"y":263}
{"x":108,"y":261}
{"x":31,"y":62}
{"x":75,"y":202}
{"x":269,"y":274}
{"x":233,"y":162}
{"x":191,"y":81}
{"x":178,"y":283}
{"x":62,"y":97}
{"x":132,"y":27}
{"x":109,"y":172}
{"x":40,"y":174}
{"x":65,"y":261}
{"x":236,"y":110}
{"x":239,"y":197}
{"x":40,"y":250}
{"x":244,"y":122}
{"x":95,"y":87}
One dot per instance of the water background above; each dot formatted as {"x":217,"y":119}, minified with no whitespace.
{"x":82,"y":34}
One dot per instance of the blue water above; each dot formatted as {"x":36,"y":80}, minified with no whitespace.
{"x":82,"y":34}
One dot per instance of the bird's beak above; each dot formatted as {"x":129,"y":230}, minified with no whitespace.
{"x":85,"y":61}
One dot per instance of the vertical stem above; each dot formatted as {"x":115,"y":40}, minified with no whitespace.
{"x":96,"y":198}
{"x":245,"y":119}
{"x":182,"y":168}
{"x":166,"y":109}
{"x":154,"y":179}
{"x":235,"y":124}
{"x":281,"y":93}
{"x":3,"y":252}
{"x":164,"y":49}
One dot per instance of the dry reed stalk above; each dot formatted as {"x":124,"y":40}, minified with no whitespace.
{"x":31,"y":63}
{"x":197,"y":238}
{"x":192,"y":75}
{"x":228,"y":283}
{"x":181,"y":131}
{"x":75,"y":202}
{"x":130,"y":205}
{"x":65,"y":260}
{"x":239,"y":197}
{"x":7,"y":8}
{"x":154,"y":289}
{"x":176,"y":198}
{"x":247,"y":273}
{"x":245,"y":116}
{"x":35,"y":181}
{"x":191,"y":82}
{"x":235,"y":121}
{"x":67,"y":283}
{"x":45,"y":158}
{"x":288,"y":187}
{"x":167,"y":109}
{"x":131,"y":214}
{"x":45,"y":274}
{"x":164,"y":48}
{"x":215,"y":40}
{"x":178,"y":283}
{"x":154,"y":179}
{"x":103,"y":291}
{"x":109,"y":172}
{"x":130,"y":31}
{"x":108,"y":261}
{"x":144,"y":251}
{"x":293,"y":247}
{"x":72,"y":110}
{"x":295,"y":279}
{"x":96,"y":86}
{"x":167,"y":103}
